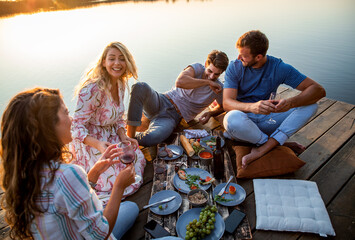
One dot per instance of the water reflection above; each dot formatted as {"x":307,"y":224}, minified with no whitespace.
{"x":53,"y":49}
{"x":11,"y":8}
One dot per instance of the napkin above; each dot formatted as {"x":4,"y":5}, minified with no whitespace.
{"x":195,"y":133}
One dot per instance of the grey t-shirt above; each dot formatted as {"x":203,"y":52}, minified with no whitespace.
{"x":193,"y":101}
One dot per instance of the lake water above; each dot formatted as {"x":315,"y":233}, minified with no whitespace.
{"x":53,"y":49}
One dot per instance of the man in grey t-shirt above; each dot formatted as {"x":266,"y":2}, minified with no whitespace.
{"x":196,"y":87}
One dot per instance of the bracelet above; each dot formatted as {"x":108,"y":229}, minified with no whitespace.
{"x":93,"y":185}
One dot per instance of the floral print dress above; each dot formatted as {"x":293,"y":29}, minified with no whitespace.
{"x":99,"y":116}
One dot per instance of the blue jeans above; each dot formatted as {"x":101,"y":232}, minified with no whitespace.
{"x":126,"y":217}
{"x":253,"y":128}
{"x":157,"y":108}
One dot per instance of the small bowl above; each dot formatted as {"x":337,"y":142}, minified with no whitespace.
{"x":204,"y":159}
{"x":195,"y":204}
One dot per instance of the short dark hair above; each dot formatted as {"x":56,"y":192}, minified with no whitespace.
{"x":219,"y":59}
{"x":256,"y":41}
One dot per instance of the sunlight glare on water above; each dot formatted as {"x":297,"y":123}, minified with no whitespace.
{"x":53,"y":49}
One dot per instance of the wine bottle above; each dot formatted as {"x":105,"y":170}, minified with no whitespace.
{"x":218,"y":160}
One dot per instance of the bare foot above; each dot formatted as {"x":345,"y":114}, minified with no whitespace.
{"x":254,"y":154}
{"x":257,"y":152}
{"x":296,"y":147}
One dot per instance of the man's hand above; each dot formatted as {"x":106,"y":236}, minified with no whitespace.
{"x":264,"y":107}
{"x":282,"y":105}
{"x":215,"y":87}
{"x":205,"y":117}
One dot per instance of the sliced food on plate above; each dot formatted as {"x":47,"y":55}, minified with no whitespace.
{"x":192,"y":178}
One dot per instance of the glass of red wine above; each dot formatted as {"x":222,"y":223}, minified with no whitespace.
{"x":273,"y":96}
{"x":128,"y":156}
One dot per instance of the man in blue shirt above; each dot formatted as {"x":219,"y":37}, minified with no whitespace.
{"x":252,"y":116}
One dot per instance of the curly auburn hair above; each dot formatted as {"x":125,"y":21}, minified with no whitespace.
{"x":29,"y":142}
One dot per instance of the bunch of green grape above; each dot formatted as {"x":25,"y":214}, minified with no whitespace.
{"x":199,"y":229}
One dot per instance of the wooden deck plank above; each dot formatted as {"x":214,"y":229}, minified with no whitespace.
{"x":321,"y":124}
{"x":341,"y":211}
{"x":323,"y":104}
{"x":320,"y":151}
{"x":338,"y":170}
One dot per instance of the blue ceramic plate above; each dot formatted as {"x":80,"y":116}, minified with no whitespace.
{"x":194,"y":213}
{"x":181,"y":184}
{"x":208,"y":138}
{"x":176,"y":149}
{"x":168,"y":207}
{"x":237,"y":198}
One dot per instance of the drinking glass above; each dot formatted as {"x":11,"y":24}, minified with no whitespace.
{"x":128,"y":156}
{"x":161,"y":150}
{"x":273,"y":96}
{"x":159,"y":164}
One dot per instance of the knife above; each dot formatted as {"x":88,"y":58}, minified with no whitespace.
{"x":174,"y":152}
{"x":162,"y":201}
{"x":224,"y":188}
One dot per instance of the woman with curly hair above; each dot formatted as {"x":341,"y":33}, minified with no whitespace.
{"x":98,"y":119}
{"x":45,"y":196}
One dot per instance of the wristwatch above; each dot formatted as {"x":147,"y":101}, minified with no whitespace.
{"x":93,"y":185}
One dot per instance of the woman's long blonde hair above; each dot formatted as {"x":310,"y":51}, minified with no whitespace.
{"x":99,"y":75}
{"x":29,"y":143}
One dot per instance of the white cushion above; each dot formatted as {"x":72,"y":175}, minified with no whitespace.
{"x":290,"y":205}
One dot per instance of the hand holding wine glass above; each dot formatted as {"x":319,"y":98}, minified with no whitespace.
{"x":108,"y":158}
{"x":274,"y":100}
{"x":128,"y":155}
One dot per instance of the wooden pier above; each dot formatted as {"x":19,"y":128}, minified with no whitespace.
{"x":330,"y":162}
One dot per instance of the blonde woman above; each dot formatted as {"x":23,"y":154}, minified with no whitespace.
{"x":45,"y":196}
{"x":98,"y":119}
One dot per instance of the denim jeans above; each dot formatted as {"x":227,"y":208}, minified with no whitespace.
{"x":157,"y":108}
{"x":253,"y":128}
{"x":126,"y":217}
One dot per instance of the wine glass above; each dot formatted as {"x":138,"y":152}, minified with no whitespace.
{"x":273,"y":96}
{"x":128,"y":156}
{"x":159,"y":164}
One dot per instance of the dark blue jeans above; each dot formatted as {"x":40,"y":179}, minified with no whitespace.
{"x":157,"y":108}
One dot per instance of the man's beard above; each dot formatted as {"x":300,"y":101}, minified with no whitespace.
{"x":250,"y":64}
